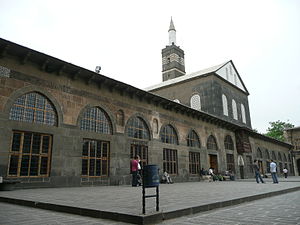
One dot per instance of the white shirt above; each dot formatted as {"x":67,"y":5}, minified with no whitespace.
{"x":273,"y":167}
{"x":285,"y":170}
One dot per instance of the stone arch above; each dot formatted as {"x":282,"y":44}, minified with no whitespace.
{"x":173,"y":129}
{"x":259,"y":153}
{"x":188,"y":136}
{"x":108,"y":114}
{"x":144,"y":122}
{"x":22,"y":91}
{"x":211,"y":143}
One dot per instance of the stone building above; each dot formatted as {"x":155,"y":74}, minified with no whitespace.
{"x":292,"y":135}
{"x":63,"y":125}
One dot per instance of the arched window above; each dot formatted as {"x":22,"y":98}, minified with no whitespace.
{"x":34,"y":107}
{"x":169,"y":135}
{"x":274,"y":155}
{"x":228,"y":143}
{"x":267,"y":154}
{"x":243,"y":113}
{"x":279,"y":157}
{"x":225,"y":105}
{"x":120,"y":117}
{"x":234,"y":110}
{"x":196,"y":102}
{"x":259,"y":154}
{"x":96,"y":120}
{"x":212,"y":143}
{"x":193,"y":140}
{"x":284,"y":158}
{"x":137,"y":128}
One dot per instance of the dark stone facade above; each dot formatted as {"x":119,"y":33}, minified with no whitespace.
{"x":73,"y":90}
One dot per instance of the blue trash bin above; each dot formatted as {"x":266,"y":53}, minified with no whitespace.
{"x":151,"y":176}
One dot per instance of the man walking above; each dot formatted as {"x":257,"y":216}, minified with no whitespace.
{"x":257,"y":173}
{"x":273,"y":172}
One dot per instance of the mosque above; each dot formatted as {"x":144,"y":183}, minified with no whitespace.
{"x":64,"y":125}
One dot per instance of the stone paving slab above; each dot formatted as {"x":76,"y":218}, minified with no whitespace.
{"x":124,"y":203}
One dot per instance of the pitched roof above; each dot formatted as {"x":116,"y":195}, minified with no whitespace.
{"x":218,"y":70}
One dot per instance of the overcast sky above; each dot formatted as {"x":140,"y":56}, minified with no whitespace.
{"x":125,"y":38}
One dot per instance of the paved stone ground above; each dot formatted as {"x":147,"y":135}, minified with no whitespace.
{"x":126,"y":199}
{"x":280,"y":210}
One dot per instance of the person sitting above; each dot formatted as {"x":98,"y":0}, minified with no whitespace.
{"x":166,"y":178}
{"x":203,"y":172}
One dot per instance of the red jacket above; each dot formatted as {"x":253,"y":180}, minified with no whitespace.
{"x":134,"y":165}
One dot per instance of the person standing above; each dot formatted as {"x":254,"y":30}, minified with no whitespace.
{"x":134,"y":171}
{"x":273,"y":167}
{"x":257,"y":173}
{"x":285,"y":172}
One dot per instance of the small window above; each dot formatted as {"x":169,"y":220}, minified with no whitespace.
{"x":196,"y":102}
{"x":234,"y":110}
{"x":225,"y":105}
{"x":155,"y":126}
{"x":243,"y":113}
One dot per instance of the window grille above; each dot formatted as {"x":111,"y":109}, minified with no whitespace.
{"x":96,"y":120}
{"x":193,"y":140}
{"x":30,"y":154}
{"x":170,"y":163}
{"x":95,"y":158}
{"x":34,"y":108}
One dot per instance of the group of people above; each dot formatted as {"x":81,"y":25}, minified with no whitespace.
{"x":136,"y":171}
{"x":273,"y":170}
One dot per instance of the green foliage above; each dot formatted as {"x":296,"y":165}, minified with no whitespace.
{"x":277,"y":128}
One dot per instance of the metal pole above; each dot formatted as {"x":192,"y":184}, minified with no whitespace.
{"x":157,"y":199}
{"x":143,"y":191}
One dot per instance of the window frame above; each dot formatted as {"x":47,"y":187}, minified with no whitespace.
{"x":170,"y":161}
{"x":21,"y":154}
{"x":94,"y":157}
{"x":194,"y":163}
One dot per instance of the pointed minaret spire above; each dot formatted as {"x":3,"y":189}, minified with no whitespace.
{"x":172,"y":33}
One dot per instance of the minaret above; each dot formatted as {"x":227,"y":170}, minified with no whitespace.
{"x":172,"y":57}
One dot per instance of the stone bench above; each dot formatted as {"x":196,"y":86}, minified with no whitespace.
{"x":206,"y":178}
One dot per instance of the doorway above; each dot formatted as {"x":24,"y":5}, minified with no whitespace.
{"x":213,"y":162}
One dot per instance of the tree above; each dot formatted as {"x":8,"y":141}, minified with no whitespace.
{"x":277,"y":128}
